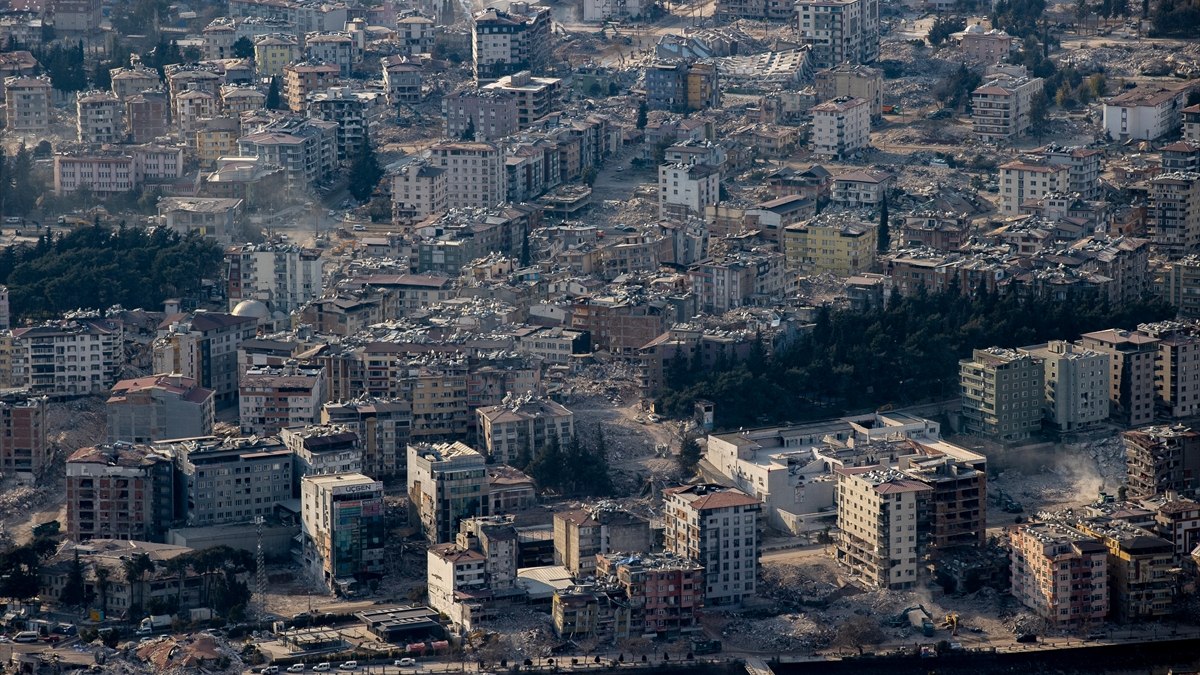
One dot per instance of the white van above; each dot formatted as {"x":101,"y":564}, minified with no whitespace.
{"x":26,"y":636}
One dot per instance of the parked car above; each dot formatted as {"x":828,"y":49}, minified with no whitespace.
{"x":321,"y":667}
{"x":296,"y":668}
{"x":271,"y":670}
{"x":406,"y":661}
{"x":349,"y":665}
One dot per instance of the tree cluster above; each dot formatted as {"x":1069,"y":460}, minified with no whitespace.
{"x":580,"y":468}
{"x":95,"y":268}
{"x":20,"y":566}
{"x":365,"y":172}
{"x":1018,"y":17}
{"x":945,"y":26}
{"x":906,"y":354}
{"x":956,"y":88}
{"x":64,"y":65}
{"x":19,"y":187}
{"x":1176,"y":18}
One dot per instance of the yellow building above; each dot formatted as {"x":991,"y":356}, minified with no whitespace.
{"x":273,"y":52}
{"x":215,"y":139}
{"x":841,"y":248}
{"x":7,"y":380}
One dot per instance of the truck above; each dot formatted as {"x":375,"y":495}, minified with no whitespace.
{"x":154,"y":623}
{"x":200,"y":614}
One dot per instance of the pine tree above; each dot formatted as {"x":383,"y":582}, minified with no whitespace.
{"x":525,"y":256}
{"x":273,"y":102}
{"x":468,"y":133}
{"x":689,"y":456}
{"x":643,"y":115}
{"x":548,"y":467}
{"x":243,"y":48}
{"x":884,"y":240}
{"x":73,"y":591}
{"x":365,"y":172}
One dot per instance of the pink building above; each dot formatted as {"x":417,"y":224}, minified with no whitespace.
{"x":1060,"y":573}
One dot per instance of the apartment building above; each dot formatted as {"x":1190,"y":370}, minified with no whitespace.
{"x":846,"y":80}
{"x":157,"y":407}
{"x":718,"y":528}
{"x":273,"y":52}
{"x":146,"y":115}
{"x":682,"y":86}
{"x":71,"y":357}
{"x":830,"y":245}
{"x":1076,"y":384}
{"x":582,"y":534}
{"x":118,"y":491}
{"x":883,"y":520}
{"x":507,"y":42}
{"x":535,"y":97}
{"x":110,"y":171}
{"x":1060,"y":573}
{"x":307,"y":149}
{"x":729,"y":282}
{"x":1191,"y":123}
{"x":1173,"y":214}
{"x":665,"y":592}
{"x":128,"y":82}
{"x":990,"y":46}
{"x":322,"y":449}
{"x":349,"y":111}
{"x":1140,"y":583}
{"x":23,"y":446}
{"x":620,"y":325}
{"x":27,"y":104}
{"x":1177,"y":368}
{"x":99,"y":118}
{"x":401,"y":81}
{"x":605,"y":10}
{"x":229,"y":480}
{"x":418,"y":191}
{"x":475,"y":175}
{"x":1145,"y":113}
{"x":302,"y":15}
{"x":1000,"y":108}
{"x":305,"y":78}
{"x":383,"y":427}
{"x":447,"y":482}
{"x":839,"y":31}
{"x":522,"y":423}
{"x":1132,"y":362}
{"x":1160,"y":460}
{"x":202,"y":346}
{"x":1084,"y":167}
{"x":456,"y":580}
{"x":270,"y":399}
{"x":282,"y":276}
{"x":337,"y":48}
{"x":344,"y":531}
{"x":1002,"y":391}
{"x":841,"y":127}
{"x":214,"y":138}
{"x":1178,"y":521}
{"x":687,"y":189}
{"x":416,"y":34}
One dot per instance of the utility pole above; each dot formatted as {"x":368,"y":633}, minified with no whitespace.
{"x":260,"y":572}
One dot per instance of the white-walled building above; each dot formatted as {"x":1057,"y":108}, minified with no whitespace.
{"x":282,"y":276}
{"x":841,"y":126}
{"x":1076,"y":382}
{"x":717,"y":527}
{"x":446,"y":483}
{"x":1000,"y":109}
{"x":1145,"y":113}
{"x":882,"y":522}
{"x":475,"y":174}
{"x":418,"y":190}
{"x":686,"y":189}
{"x":839,"y":31}
{"x":1026,"y":180}
{"x":523,"y":423}
{"x":99,"y":118}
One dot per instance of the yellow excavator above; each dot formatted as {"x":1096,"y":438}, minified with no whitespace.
{"x":950,"y":623}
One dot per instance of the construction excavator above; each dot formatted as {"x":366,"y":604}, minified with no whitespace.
{"x":950,"y":623}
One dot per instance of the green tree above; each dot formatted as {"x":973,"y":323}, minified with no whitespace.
{"x":643,"y":115}
{"x":689,"y":456}
{"x":943,"y":27}
{"x":136,"y":568}
{"x":102,"y":585}
{"x":73,"y":590}
{"x":883,"y":239}
{"x":548,"y":465}
{"x":365,"y":172}
{"x":468,"y":133}
{"x":243,"y":48}
{"x":273,"y":100}
{"x":1039,"y":112}
{"x":526,"y":258}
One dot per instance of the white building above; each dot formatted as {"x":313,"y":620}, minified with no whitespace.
{"x":1077,"y":384}
{"x":607,"y":10}
{"x":271,"y":399}
{"x":451,"y":569}
{"x":686,"y":189}
{"x":882,"y":522}
{"x":336,"y":48}
{"x":1027,"y":180}
{"x":1000,"y":109}
{"x":418,"y":190}
{"x":27,"y":104}
{"x":475,"y":175}
{"x":415,"y":34}
{"x":98,"y":118}
{"x":839,"y":31}
{"x":282,"y":276}
{"x":343,"y":529}
{"x":717,"y":527}
{"x":80,"y":355}
{"x":523,"y":423}
{"x":841,"y":126}
{"x":323,"y":449}
{"x":447,"y":482}
{"x":1144,"y":113}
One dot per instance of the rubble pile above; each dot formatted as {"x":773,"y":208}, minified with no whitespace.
{"x":794,"y":584}
{"x":788,"y":632}
{"x":527,"y":633}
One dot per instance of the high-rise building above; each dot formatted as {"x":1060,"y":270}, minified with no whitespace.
{"x":99,"y":118}
{"x":839,"y":31}
{"x":1002,"y":391}
{"x":1131,"y":380}
{"x":1160,"y":460}
{"x":1177,"y":367}
{"x":270,"y":399}
{"x":475,"y":175}
{"x":119,"y":491}
{"x":447,"y":482}
{"x":503,"y":43}
{"x":1002,"y":108}
{"x":22,"y":434}
{"x":522,"y":423}
{"x":229,"y":480}
{"x":883,"y":523}
{"x":841,"y":126}
{"x":282,"y":276}
{"x":1173,"y":214}
{"x":718,"y":528}
{"x":78,"y":355}
{"x":343,"y":527}
{"x":1060,"y":573}
{"x":322,"y":449}
{"x":1076,"y":384}
{"x":383,"y":427}
{"x":581,"y":534}
{"x":202,"y":346}
{"x":158,"y":407}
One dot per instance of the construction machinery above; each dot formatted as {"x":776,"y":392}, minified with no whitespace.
{"x":950,"y":623}
{"x":917,"y":617}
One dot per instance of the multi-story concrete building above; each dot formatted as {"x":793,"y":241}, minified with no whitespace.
{"x":238,"y":99}
{"x":455,"y":577}
{"x":1060,"y":573}
{"x":1002,"y":391}
{"x":401,"y":81}
{"x":475,"y":174}
{"x":23,"y":446}
{"x":157,"y":407}
{"x":852,"y":81}
{"x":1076,"y":384}
{"x":1145,"y":113}
{"x":1140,"y":580}
{"x":1085,"y":166}
{"x":507,"y":42}
{"x":229,"y":480}
{"x":830,"y":245}
{"x":1177,"y":367}
{"x":99,"y":118}
{"x":535,"y":97}
{"x":76,"y":16}
{"x":1178,"y":521}
{"x":304,"y":78}
{"x":418,"y":191}
{"x":665,"y":592}
{"x":839,"y":31}
{"x":322,"y":449}
{"x":336,"y":48}
{"x":119,"y":491}
{"x":1000,"y":109}
{"x":192,"y":106}
{"x":687,"y":189}
{"x":282,"y":276}
{"x":1132,"y":362}
{"x":1191,"y":123}
{"x":522,"y":423}
{"x":273,"y":52}
{"x":27,"y":104}
{"x":841,"y":127}
{"x":416,"y":34}
{"x":72,"y":357}
{"x":883,"y":525}
{"x":682,"y":86}
{"x":305,"y":148}
{"x":383,"y":427}
{"x":213,"y":217}
{"x":1161,"y":460}
{"x":110,"y":170}
{"x":582,"y":534}
{"x":726,"y":283}
{"x":270,"y":399}
{"x":349,"y":111}
{"x":447,"y":482}
{"x":202,"y":346}
{"x":1023,"y":181}
{"x":343,"y":526}
{"x":147,"y":115}
{"x":1173,"y":214}
{"x":128,"y":82}
{"x":718,"y":528}
{"x":988,"y":47}
{"x":606,"y":10}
